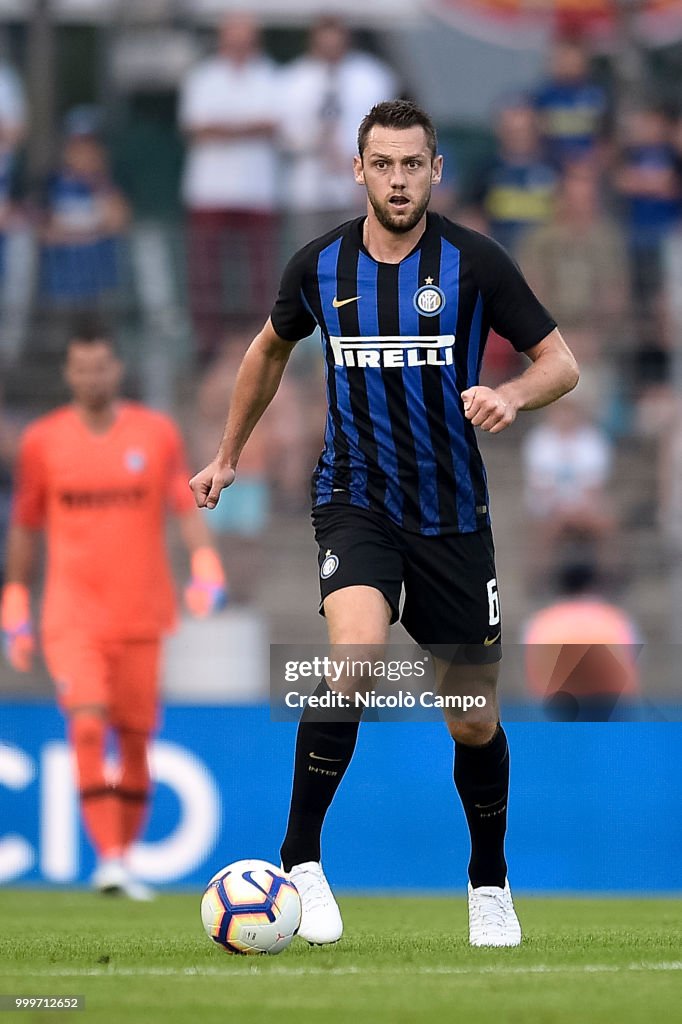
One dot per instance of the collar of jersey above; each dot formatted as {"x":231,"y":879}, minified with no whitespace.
{"x":359,"y":225}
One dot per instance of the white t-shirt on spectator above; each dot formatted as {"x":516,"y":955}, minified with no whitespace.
{"x":12,"y":99}
{"x":231,"y":174}
{"x":561,"y":469}
{"x":12,"y":118}
{"x":356,"y":83}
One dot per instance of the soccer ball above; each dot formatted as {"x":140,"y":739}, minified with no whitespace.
{"x":251,"y":907}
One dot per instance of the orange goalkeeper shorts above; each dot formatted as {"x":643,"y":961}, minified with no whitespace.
{"x":122,"y":676}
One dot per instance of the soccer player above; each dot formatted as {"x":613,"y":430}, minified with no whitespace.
{"x":404,"y":299}
{"x":98,"y":476}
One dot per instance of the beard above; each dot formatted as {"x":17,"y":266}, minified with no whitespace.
{"x":95,"y":401}
{"x":394,"y":222}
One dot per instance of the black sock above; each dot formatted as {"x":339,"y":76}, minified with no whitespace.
{"x":482,"y":781}
{"x":324,"y":749}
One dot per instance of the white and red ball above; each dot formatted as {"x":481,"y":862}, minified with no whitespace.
{"x":251,"y":907}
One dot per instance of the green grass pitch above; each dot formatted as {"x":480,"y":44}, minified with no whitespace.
{"x":402,"y":959}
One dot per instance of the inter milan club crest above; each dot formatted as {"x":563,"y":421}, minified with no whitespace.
{"x":429,"y":299}
{"x":329,"y":566}
{"x":135,"y":460}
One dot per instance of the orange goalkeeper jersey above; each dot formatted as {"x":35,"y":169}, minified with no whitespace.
{"x":102,"y":500}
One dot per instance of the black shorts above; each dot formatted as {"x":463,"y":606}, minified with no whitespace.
{"x":450,"y":582}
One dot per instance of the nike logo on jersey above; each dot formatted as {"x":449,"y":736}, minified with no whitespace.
{"x":337,"y":303}
{"x":490,"y":640}
{"x":318,"y":757}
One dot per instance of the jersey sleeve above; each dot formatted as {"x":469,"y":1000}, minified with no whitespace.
{"x":180,"y":498}
{"x":30,"y":484}
{"x":512,"y":308}
{"x":291,"y":316}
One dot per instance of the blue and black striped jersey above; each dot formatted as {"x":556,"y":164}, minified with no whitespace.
{"x":401,"y":342}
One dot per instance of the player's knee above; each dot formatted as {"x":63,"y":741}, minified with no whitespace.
{"x":87,"y":733}
{"x":471,"y":734}
{"x":87,"y":729}
{"x":355,"y":665}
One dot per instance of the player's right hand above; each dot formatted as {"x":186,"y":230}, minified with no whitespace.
{"x":18,"y":641}
{"x":208,"y":483}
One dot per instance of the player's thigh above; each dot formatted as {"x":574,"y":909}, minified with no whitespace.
{"x":452,"y":606}
{"x":357,"y":615}
{"x":79,"y":667}
{"x":135,"y":670}
{"x":358,"y":621}
{"x":360,"y":571}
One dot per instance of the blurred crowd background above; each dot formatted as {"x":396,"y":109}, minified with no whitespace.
{"x":161,"y":160}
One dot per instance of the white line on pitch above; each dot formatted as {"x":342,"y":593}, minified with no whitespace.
{"x":294,"y":972}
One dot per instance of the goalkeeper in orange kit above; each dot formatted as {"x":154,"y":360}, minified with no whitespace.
{"x":98,"y":476}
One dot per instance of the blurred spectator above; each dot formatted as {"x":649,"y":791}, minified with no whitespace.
{"x":85,"y":217}
{"x":567,"y":465}
{"x":272,"y":465}
{"x":516,"y":192}
{"x":571,"y":105}
{"x":228,"y":111}
{"x":662,"y":410}
{"x":12,"y":132}
{"x":577,"y":265}
{"x":576,"y":261}
{"x":648,"y":181}
{"x":581,"y":651}
{"x":326,"y":93}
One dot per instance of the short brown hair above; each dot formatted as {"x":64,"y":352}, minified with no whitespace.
{"x":398,"y":114}
{"x":90,"y":331}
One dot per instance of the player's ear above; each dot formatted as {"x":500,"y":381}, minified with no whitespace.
{"x":436,"y":170}
{"x":358,"y":170}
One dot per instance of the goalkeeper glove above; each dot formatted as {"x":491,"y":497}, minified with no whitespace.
{"x":17,"y":629}
{"x":207,"y":591}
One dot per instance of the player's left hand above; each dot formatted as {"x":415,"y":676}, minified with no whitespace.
{"x":206,"y":592}
{"x":488,"y":409}
{"x":18,"y":641}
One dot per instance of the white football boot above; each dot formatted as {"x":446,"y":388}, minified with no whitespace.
{"x":492,"y":918}
{"x":112,"y":878}
{"x":136,"y":890}
{"x":320,"y":915}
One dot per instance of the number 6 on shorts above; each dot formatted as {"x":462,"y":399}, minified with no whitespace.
{"x":493,"y":602}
